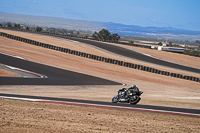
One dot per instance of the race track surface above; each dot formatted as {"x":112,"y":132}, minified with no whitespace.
{"x":138,"y":107}
{"x":55,"y":76}
{"x":134,"y":55}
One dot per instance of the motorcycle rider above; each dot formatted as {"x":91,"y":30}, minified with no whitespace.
{"x":130,"y":95}
{"x":129,"y":90}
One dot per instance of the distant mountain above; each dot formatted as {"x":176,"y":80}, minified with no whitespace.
{"x":121,"y":29}
{"x":153,"y":32}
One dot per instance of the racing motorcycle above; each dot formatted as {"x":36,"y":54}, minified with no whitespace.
{"x":133,"y":96}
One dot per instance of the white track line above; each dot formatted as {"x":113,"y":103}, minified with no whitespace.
{"x":106,"y":106}
{"x":14,"y":56}
{"x":21,"y":70}
{"x":28,"y":72}
{"x":18,"y":98}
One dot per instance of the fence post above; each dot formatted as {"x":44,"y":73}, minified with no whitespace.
{"x":88,"y":56}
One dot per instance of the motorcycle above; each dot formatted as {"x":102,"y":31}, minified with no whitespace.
{"x":133,"y":96}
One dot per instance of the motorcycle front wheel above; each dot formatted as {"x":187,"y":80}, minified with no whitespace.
{"x":115,"y":99}
{"x":134,"y":100}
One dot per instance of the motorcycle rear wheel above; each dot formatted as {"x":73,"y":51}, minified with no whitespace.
{"x":135,"y":100}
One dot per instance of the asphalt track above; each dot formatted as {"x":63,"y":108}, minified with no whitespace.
{"x":134,"y":55}
{"x":55,"y":75}
{"x":138,"y":107}
{"x":58,"y":76}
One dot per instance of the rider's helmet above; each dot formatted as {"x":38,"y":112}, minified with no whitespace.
{"x":133,"y":86}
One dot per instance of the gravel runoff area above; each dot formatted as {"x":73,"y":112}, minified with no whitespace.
{"x":22,"y":116}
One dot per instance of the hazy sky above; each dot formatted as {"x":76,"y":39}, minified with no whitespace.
{"x":183,"y":14}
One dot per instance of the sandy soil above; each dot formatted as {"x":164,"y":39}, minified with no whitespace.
{"x":8,"y":73}
{"x":22,"y":116}
{"x":158,"y":89}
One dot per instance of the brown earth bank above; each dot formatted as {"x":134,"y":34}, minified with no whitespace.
{"x":22,"y":116}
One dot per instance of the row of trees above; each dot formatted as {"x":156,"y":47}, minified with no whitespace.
{"x":105,"y":35}
{"x":63,"y":31}
{"x":46,"y":29}
{"x":197,"y":41}
{"x":19,"y":26}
